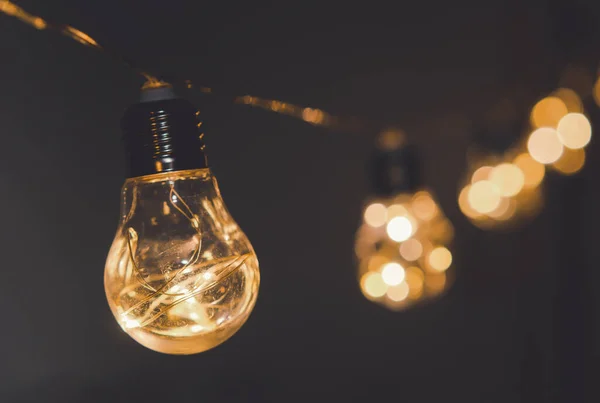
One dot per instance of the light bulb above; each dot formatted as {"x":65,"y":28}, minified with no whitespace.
{"x":403,"y":260}
{"x":181,"y":277}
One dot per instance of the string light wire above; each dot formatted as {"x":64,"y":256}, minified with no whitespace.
{"x":314,"y":116}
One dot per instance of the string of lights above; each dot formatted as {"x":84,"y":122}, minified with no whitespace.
{"x":504,"y":190}
{"x":402,"y":244}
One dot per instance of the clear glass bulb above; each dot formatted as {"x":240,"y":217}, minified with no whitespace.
{"x":181,"y":277}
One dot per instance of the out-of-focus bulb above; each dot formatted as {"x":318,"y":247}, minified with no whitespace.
{"x":181,"y":277}
{"x":500,"y":190}
{"x":402,"y":242}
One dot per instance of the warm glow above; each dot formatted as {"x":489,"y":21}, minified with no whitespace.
{"x":574,"y":130}
{"x":440,"y":259}
{"x":398,"y":293}
{"x":423,"y":206}
{"x":373,"y":285}
{"x":548,"y":112}
{"x":481,"y":174}
{"x":508,"y":178}
{"x":465,"y":205}
{"x":435,"y":283}
{"x":391,"y":139}
{"x":375,"y":262}
{"x":483,"y":197}
{"x":570,"y":99}
{"x":571,"y":161}
{"x":442,"y":231}
{"x":597,"y":92}
{"x":315,"y":116}
{"x":414,"y":280}
{"x":532,"y":170}
{"x":545,"y":146}
{"x":411,"y":249}
{"x":376,"y":215}
{"x":503,"y":212}
{"x":396,"y":210}
{"x":392,"y":274}
{"x":399,"y":229}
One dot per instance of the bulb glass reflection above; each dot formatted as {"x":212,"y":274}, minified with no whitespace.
{"x":181,"y":277}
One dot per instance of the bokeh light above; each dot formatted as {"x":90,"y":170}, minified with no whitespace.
{"x":414,"y":279}
{"x":574,"y":130}
{"x":398,"y":293}
{"x":503,"y":211}
{"x":548,"y":112}
{"x":544,"y":145}
{"x":411,"y":250}
{"x":399,"y":229}
{"x":373,"y":285}
{"x":440,"y":259}
{"x":571,"y":161}
{"x":396,"y":210}
{"x":508,"y":178}
{"x":392,"y":273}
{"x":423,"y":206}
{"x":532,"y":170}
{"x":465,"y":205}
{"x":484,"y":197}
{"x":376,"y":215}
{"x":570,"y":98}
{"x":481,"y":174}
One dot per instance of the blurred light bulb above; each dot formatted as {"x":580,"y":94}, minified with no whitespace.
{"x":544,"y":145}
{"x":574,"y":130}
{"x":191,"y":251}
{"x":393,"y":255}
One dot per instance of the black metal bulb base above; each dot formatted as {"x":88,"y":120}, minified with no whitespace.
{"x":395,"y":171}
{"x":161,"y":134}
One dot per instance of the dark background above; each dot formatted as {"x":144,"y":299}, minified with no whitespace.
{"x":520,"y":324}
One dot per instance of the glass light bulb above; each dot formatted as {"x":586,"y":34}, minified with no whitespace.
{"x":181,"y":277}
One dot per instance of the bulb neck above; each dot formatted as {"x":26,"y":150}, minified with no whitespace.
{"x":162,"y":134}
{"x":395,"y":171}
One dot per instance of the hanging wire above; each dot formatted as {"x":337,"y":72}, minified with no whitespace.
{"x":314,"y":116}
